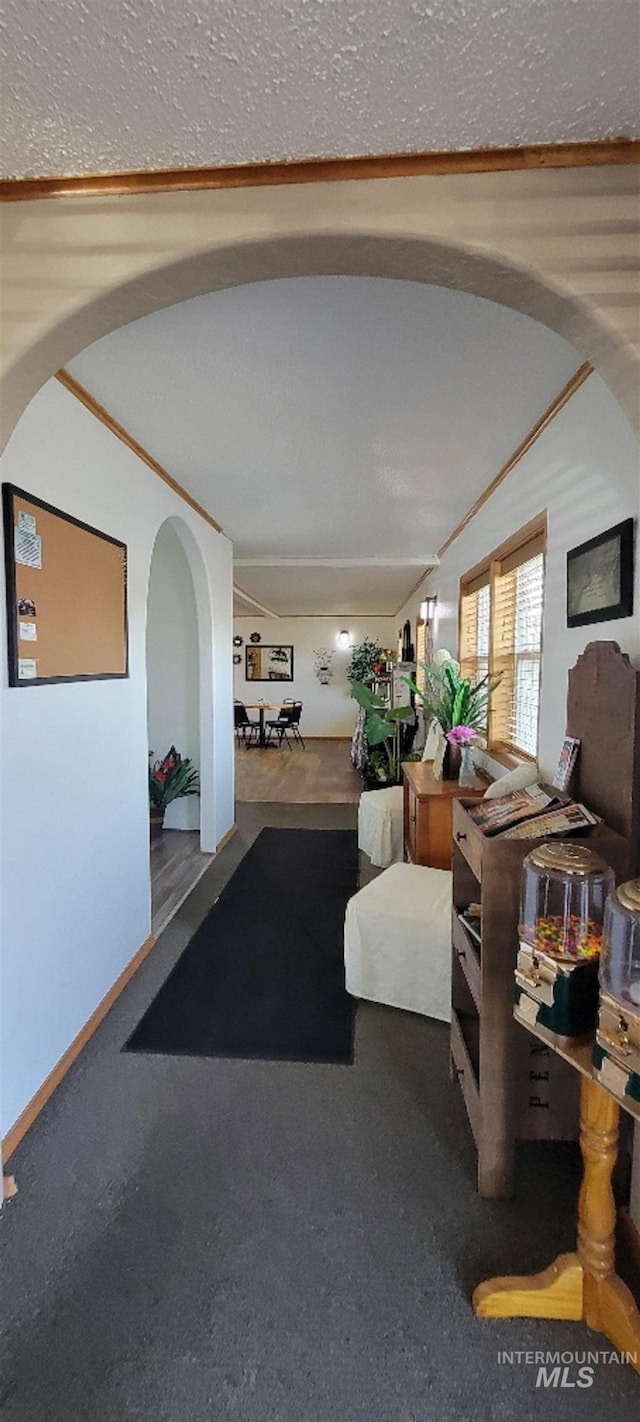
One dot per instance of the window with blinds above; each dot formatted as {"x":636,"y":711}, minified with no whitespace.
{"x":422,"y":654}
{"x":501,"y":608}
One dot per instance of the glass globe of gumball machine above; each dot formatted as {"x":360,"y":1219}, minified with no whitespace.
{"x":564,"y":891}
{"x":616,"y":1054}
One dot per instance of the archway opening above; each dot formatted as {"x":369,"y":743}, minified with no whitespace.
{"x":173,"y":717}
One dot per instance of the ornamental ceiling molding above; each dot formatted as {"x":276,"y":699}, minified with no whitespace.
{"x":609,"y":151}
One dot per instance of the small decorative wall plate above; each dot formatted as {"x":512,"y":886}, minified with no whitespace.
{"x":236,"y":659}
{"x":237,"y":641}
{"x":255,"y":637}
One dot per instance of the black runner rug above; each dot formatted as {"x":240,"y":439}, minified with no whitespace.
{"x":263,"y":976}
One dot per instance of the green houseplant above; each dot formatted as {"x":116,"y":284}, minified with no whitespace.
{"x":382,"y":734}
{"x":364,"y":659}
{"x":459,"y":706}
{"x":169,"y":780}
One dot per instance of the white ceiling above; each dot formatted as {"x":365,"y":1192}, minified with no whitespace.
{"x":102,"y":87}
{"x":331,"y":417}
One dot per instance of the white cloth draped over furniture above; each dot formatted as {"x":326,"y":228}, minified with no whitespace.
{"x":397,"y":940}
{"x":380,"y":825}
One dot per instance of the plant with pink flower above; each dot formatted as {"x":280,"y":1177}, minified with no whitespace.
{"x":461,"y":735}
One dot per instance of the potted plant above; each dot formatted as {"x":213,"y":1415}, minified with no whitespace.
{"x":364,"y":659}
{"x":456,"y":704}
{"x":169,"y":779}
{"x":382,"y":735}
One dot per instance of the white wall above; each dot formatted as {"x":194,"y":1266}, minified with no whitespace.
{"x":75,"y":832}
{"x":172,"y":666}
{"x":584,"y":471}
{"x":327,"y":710}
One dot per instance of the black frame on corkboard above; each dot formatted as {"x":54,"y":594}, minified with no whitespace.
{"x":81,"y":611}
{"x":604,"y":566}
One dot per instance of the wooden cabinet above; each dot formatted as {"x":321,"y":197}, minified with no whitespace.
{"x":514,"y":1088}
{"x":427,"y":813}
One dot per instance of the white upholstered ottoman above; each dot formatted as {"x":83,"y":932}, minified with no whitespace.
{"x":380,"y":825}
{"x":397,"y":940}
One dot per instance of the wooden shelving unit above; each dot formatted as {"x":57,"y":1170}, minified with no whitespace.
{"x":514,"y":1087}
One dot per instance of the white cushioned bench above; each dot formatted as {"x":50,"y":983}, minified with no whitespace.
{"x":397,"y":940}
{"x":380,"y":825}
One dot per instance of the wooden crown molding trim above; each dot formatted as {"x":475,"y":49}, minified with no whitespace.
{"x":325,"y":170}
{"x":86,"y":398}
{"x":554,"y":409}
{"x":27,"y":1117}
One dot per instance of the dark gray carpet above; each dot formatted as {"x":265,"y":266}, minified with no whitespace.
{"x":198,"y":1240}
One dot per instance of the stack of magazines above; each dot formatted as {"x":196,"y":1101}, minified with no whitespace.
{"x":529,"y":814}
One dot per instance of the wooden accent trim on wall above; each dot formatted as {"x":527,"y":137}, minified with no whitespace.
{"x":45,"y":1092}
{"x":86,"y":398}
{"x":225,"y":838}
{"x":554,"y":409}
{"x":325,"y":170}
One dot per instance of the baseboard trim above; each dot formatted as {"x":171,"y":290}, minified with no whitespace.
{"x":26,"y":1119}
{"x":225,"y":838}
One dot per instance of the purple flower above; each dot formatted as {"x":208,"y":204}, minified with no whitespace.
{"x":461,"y":735}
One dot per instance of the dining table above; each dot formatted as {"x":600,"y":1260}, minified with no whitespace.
{"x":261,"y":707}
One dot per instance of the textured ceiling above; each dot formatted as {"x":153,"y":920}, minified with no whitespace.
{"x":349,"y":417}
{"x":126,"y":84}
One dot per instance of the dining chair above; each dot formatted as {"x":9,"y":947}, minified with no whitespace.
{"x":243,"y":723}
{"x":294,"y":724}
{"x":280,"y":726}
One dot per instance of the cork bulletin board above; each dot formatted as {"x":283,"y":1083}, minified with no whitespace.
{"x":66,"y":595}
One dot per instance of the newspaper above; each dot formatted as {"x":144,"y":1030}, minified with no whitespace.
{"x":494,"y":816}
{"x":565,"y":820}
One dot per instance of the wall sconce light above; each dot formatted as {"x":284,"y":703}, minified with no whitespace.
{"x":344,"y":640}
{"x":428,"y":608}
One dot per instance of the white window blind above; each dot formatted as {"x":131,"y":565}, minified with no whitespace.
{"x":516,"y":648}
{"x":501,"y":607}
{"x":422,"y":654}
{"x":474,"y":633}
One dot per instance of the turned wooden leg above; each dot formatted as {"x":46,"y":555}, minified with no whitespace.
{"x":608,"y":1304}
{"x":581,"y":1285}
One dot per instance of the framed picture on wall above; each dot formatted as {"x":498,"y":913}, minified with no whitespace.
{"x":600,"y":577}
{"x":266,"y":663}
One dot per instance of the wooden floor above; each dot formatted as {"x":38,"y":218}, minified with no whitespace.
{"x":177,"y":863}
{"x":321,"y":774}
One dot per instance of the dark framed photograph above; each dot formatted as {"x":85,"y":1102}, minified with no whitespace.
{"x":600,"y":577}
{"x":266,"y":663}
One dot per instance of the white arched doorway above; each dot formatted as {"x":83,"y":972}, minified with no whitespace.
{"x":179,"y":666}
{"x":508,"y":237}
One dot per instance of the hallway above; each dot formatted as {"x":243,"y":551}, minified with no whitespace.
{"x":321,"y":774}
{"x":205,"y":1239}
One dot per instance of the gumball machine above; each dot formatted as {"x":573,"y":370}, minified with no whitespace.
{"x":616,"y":1055}
{"x":564,"y":891}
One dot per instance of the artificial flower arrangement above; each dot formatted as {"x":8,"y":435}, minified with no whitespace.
{"x":458,"y":707}
{"x":171,"y":778}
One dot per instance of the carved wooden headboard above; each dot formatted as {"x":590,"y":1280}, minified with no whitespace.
{"x":603,"y":712}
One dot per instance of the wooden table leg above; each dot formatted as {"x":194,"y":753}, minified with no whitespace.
{"x":583,"y":1285}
